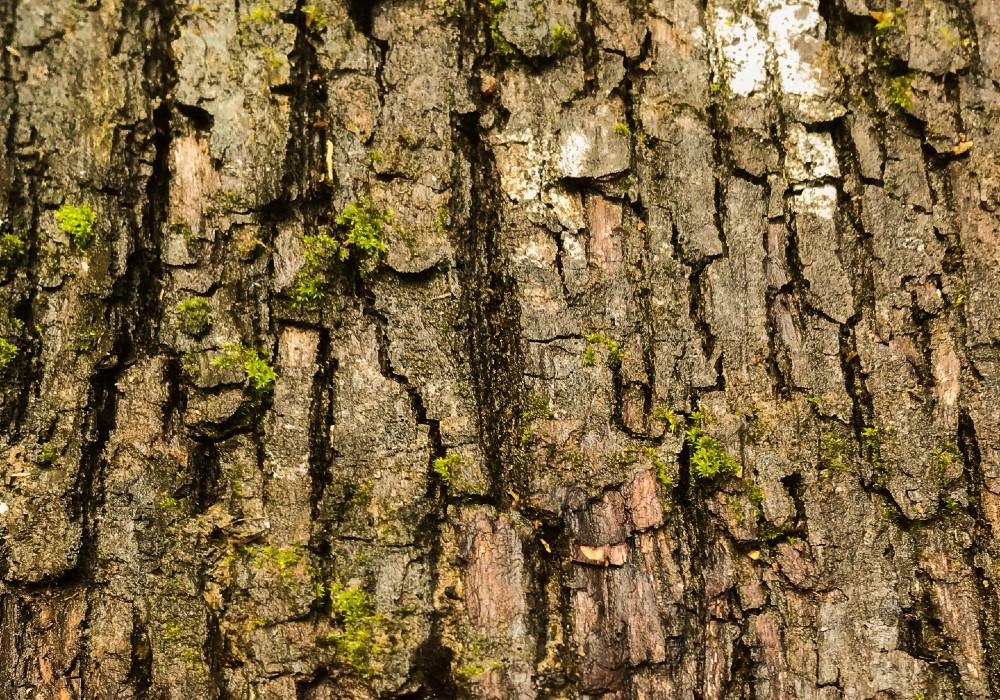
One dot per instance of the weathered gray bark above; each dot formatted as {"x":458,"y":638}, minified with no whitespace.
{"x":783,"y":215}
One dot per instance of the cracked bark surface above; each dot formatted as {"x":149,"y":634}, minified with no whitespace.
{"x":775,"y":220}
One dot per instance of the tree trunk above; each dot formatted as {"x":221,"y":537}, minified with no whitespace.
{"x":617,"y":349}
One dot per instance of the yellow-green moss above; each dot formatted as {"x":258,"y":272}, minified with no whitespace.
{"x":194,"y":316}
{"x":443,"y":465}
{"x":708,"y":458}
{"x":365,"y":224}
{"x":77,"y":223}
{"x":614,"y":351}
{"x":261,"y":375}
{"x":353,"y":610}
{"x":11,"y":247}
{"x":8,"y":352}
{"x":900,"y":94}
{"x":315,"y":19}
{"x":562,"y":40}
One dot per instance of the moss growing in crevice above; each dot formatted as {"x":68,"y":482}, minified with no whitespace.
{"x":503,"y":47}
{"x":900,"y":93}
{"x":872,"y":438}
{"x":365,"y":225}
{"x":77,"y":223}
{"x":194,"y":316}
{"x":316,"y":20}
{"x":365,"y":228}
{"x":562,"y":40}
{"x":261,"y":375}
{"x":321,"y":253}
{"x":8,"y":352}
{"x":831,"y":453}
{"x":942,"y":458}
{"x":11,"y":248}
{"x":263,"y":14}
{"x":615,"y":354}
{"x":887,"y":25}
{"x":443,"y":466}
{"x":182,"y":229}
{"x":708,"y":458}
{"x":357,"y":643}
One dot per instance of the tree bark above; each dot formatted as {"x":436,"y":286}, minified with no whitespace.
{"x":512,"y":349}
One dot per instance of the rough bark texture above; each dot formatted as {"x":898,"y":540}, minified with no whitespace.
{"x":615,"y":223}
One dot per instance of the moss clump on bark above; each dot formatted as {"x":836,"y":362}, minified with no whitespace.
{"x":614,"y":351}
{"x":11,"y":247}
{"x":315,"y":18}
{"x":443,"y":465}
{"x":321,"y":253}
{"x":261,"y":375}
{"x":708,"y":458}
{"x":900,"y":94}
{"x":562,"y":40}
{"x":194,"y":316}
{"x":353,"y":610}
{"x":469,"y":671}
{"x":832,"y":452}
{"x":263,"y":14}
{"x":872,"y":438}
{"x":942,"y":458}
{"x":365,"y":223}
{"x":77,"y":223}
{"x":8,"y":352}
{"x":503,"y":46}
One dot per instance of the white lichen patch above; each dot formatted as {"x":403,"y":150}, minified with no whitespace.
{"x":776,"y":39}
{"x":537,"y":252}
{"x":520,"y":163}
{"x":566,"y":207}
{"x":740,"y":52}
{"x":791,"y":28}
{"x":820,"y":202}
{"x":574,"y":150}
{"x":796,"y":32}
{"x":809,"y":155}
{"x":573,"y":253}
